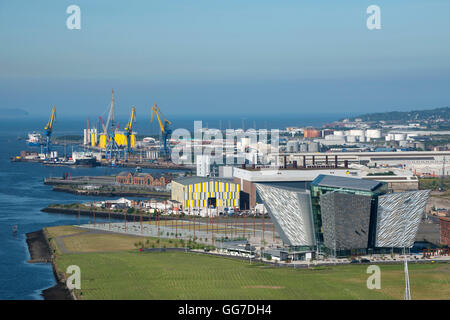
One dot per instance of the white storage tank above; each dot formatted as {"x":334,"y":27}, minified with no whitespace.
{"x":358,"y":133}
{"x":373,"y":133}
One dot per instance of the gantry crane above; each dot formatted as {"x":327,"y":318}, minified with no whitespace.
{"x":48,"y":130}
{"x":112,"y":149}
{"x":165,"y":131}
{"x":128,"y":132}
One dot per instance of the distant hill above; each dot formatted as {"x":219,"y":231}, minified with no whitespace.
{"x":438,"y":113}
{"x":12,"y":113}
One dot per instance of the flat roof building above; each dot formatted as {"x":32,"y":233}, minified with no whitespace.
{"x":203,"y":192}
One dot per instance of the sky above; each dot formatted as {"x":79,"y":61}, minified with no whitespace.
{"x":211,"y":57}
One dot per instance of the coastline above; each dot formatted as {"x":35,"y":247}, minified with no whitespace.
{"x":101,"y":214}
{"x":106,"y":193}
{"x":40,"y":252}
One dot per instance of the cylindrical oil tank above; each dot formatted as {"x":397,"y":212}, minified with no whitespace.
{"x":357,"y":132}
{"x":373,"y":133}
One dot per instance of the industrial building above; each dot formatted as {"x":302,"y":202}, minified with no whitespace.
{"x":417,"y":162}
{"x":340,"y":216}
{"x":143,"y":179}
{"x":290,"y":176}
{"x":203,"y":192}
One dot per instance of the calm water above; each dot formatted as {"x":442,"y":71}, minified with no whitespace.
{"x":23,"y":195}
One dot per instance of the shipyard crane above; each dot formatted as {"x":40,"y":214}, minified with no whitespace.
{"x":128,"y":132}
{"x":48,"y":130}
{"x":165,"y":131}
{"x":112,"y":149}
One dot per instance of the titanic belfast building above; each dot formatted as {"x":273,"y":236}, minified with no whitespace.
{"x":341,"y":215}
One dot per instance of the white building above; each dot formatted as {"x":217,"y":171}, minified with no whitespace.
{"x":203,"y":165}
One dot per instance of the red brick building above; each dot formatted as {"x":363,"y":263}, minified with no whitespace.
{"x":445,"y":231}
{"x":311,"y":133}
{"x":155,"y":180}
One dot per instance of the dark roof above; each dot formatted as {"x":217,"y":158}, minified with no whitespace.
{"x":345,"y":182}
{"x":195,"y":179}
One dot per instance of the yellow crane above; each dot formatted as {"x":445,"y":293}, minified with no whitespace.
{"x":129,"y":126}
{"x":49,"y":128}
{"x":164,"y":150}
{"x":129,"y":132}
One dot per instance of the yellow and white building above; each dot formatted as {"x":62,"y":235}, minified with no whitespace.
{"x":202,"y":192}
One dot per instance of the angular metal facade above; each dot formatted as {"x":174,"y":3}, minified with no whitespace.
{"x":398,"y":218}
{"x":345,"y":220}
{"x":291,"y":213}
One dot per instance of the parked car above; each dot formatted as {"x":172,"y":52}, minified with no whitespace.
{"x":354,"y":261}
{"x":364,"y":260}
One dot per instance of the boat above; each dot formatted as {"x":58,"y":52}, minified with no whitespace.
{"x":34,"y":139}
{"x":84,"y":159}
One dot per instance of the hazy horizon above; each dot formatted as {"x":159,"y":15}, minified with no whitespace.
{"x":224,"y":57}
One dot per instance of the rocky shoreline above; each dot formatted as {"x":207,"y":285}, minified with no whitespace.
{"x":40,"y":252}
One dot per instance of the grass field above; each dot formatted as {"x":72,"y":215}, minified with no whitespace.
{"x":117,"y":270}
{"x":179,"y":275}
{"x":63,"y":231}
{"x":95,"y":242}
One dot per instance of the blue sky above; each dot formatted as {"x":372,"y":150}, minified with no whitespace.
{"x":224,"y":56}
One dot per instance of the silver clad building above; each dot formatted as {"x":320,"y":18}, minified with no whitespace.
{"x":398,"y":218}
{"x":345,"y":220}
{"x":291,"y":212}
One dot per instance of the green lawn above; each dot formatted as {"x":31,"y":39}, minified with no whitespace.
{"x":179,"y":275}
